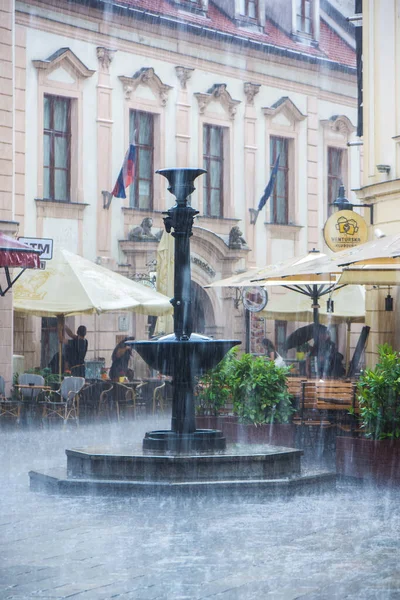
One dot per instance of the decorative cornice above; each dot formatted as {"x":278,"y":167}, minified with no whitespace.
{"x":183,"y":74}
{"x":250,"y":90}
{"x":64,"y":55}
{"x":339,"y":123}
{"x":286,"y":106}
{"x":218,"y":92}
{"x":146,"y":76}
{"x":105,"y":56}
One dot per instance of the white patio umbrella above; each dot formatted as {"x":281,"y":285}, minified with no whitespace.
{"x":72,"y":285}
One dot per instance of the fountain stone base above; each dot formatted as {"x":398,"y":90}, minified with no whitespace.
{"x":201,"y":440}
{"x":244,"y":471}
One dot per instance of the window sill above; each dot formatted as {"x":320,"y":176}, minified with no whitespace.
{"x":281,"y":231}
{"x":59,"y":209}
{"x":222,"y":219}
{"x":147,"y":211}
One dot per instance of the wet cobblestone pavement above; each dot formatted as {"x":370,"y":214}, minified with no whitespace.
{"x":342,"y":544}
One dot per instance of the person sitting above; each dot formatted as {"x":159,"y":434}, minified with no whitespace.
{"x":75,"y":351}
{"x":120,"y":360}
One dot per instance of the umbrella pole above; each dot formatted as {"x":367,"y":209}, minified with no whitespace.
{"x":348,"y":345}
{"x":60,"y":327}
{"x":315,"y":307}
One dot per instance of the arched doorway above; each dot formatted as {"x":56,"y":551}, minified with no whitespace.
{"x":202,"y":310}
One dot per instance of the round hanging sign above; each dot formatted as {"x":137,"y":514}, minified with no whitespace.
{"x":345,"y":229}
{"x":254,"y":298}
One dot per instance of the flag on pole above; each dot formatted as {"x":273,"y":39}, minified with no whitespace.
{"x":126,"y":174}
{"x":268,"y":190}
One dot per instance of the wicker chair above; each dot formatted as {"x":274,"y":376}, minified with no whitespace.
{"x":9,"y":408}
{"x":66,"y":400}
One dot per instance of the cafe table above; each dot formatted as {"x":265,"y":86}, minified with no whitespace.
{"x":30,"y":402}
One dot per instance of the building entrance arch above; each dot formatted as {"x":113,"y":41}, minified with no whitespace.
{"x":202,"y":310}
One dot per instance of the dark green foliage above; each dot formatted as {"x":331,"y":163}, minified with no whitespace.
{"x":378,"y":393}
{"x":213,"y":390}
{"x":255,"y":386}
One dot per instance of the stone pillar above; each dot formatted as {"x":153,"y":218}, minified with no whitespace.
{"x":313,"y":229}
{"x":250,"y":168}
{"x":7,"y":174}
{"x":104,"y":149}
{"x":183,"y":109}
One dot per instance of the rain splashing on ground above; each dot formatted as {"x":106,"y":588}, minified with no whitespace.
{"x":341,"y":544}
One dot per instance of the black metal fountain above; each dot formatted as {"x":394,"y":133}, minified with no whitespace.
{"x":183,"y":355}
{"x":182,"y":460}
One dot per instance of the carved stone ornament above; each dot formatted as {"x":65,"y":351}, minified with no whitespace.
{"x":236,"y":241}
{"x":105,"y":56}
{"x":146,"y":76}
{"x":218,"y":92}
{"x":183,"y":74}
{"x":250,"y":90}
{"x":64,"y":57}
{"x":286,"y":106}
{"x":341,"y":124}
{"x":143,"y":231}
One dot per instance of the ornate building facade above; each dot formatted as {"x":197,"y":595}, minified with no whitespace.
{"x":224,"y":84}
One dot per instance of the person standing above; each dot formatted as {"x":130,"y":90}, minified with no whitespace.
{"x":75,"y":351}
{"x":120,"y":360}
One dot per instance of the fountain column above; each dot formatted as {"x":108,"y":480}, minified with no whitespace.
{"x":183,"y":355}
{"x":180,"y":218}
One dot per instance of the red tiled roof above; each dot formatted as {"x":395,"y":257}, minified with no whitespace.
{"x":331,"y":45}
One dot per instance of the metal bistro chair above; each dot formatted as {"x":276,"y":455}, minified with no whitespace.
{"x":31,"y":395}
{"x":128,"y":398}
{"x":66,"y":406}
{"x":158,"y":398}
{"x":9,"y":407}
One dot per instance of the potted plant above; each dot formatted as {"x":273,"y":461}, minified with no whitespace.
{"x":214,"y":393}
{"x":261,"y":401}
{"x":376,"y":453}
{"x":257,"y":389}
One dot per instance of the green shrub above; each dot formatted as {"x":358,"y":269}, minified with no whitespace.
{"x":378,"y":393}
{"x":255,"y":385}
{"x":213,"y":390}
{"x":259,"y":391}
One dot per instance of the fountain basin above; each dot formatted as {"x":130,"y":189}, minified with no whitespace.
{"x":171,"y":356}
{"x":241,"y":471}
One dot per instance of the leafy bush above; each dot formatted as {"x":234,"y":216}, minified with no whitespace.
{"x":259,"y":391}
{"x":255,"y":385}
{"x":378,"y":393}
{"x":213,"y":390}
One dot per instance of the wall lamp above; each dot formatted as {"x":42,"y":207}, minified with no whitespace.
{"x":383,"y":168}
{"x":341,"y":203}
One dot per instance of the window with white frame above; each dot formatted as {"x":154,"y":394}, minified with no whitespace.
{"x":248,"y":8}
{"x":279,"y":207}
{"x":57,"y":148}
{"x":304,"y":13}
{"x":141,"y":132}
{"x":213,"y":162}
{"x":336,"y":174}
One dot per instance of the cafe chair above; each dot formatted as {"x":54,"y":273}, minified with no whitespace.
{"x":128,"y":398}
{"x":36,"y":381}
{"x":66,"y":400}
{"x":158,"y":398}
{"x":105,"y":402}
{"x":9,"y":408}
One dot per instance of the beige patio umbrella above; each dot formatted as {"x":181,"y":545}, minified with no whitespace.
{"x":72,"y":285}
{"x":349,"y":306}
{"x":275,"y":271}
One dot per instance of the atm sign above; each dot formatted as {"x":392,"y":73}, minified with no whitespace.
{"x":43,"y":244}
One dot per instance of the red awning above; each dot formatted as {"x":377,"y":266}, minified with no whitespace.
{"x":16,"y":254}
